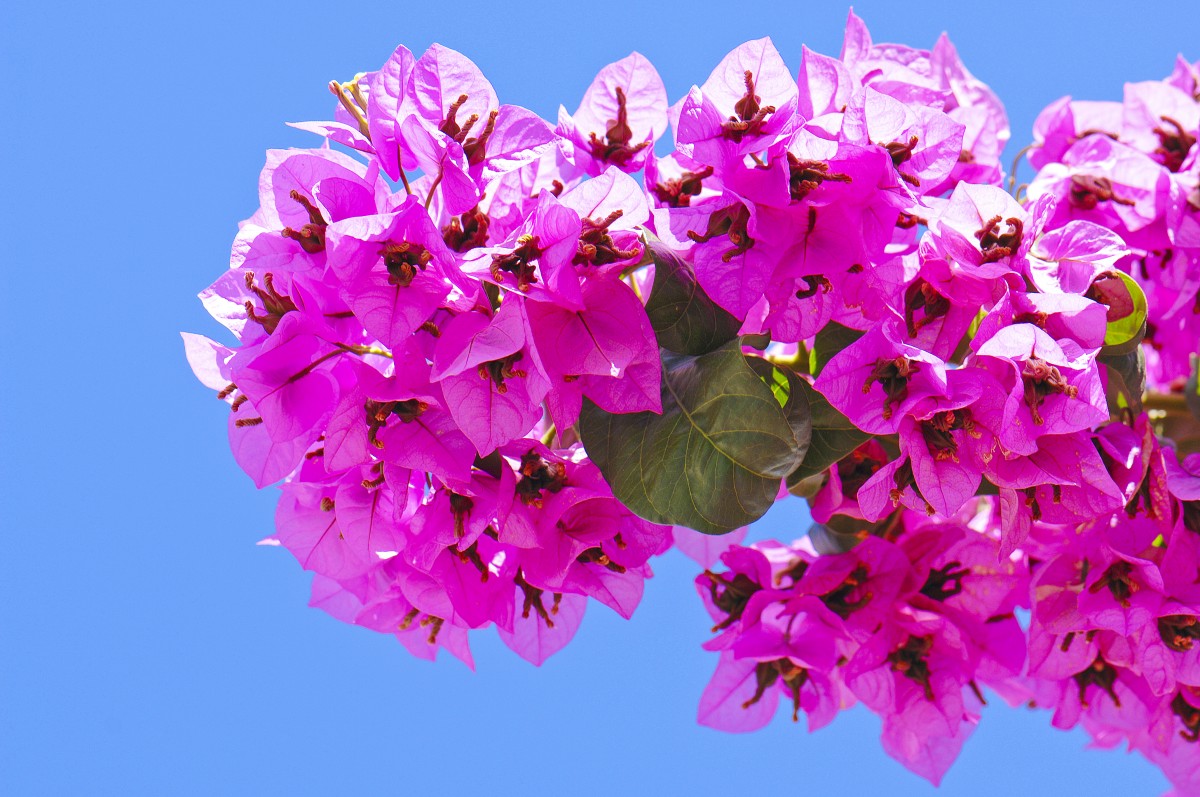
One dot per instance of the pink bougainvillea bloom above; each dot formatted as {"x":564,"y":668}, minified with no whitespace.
{"x":395,"y":267}
{"x":923,"y":143}
{"x":493,"y":384}
{"x":622,"y":114}
{"x":535,"y":259}
{"x":878,"y":379}
{"x":1053,"y":387}
{"x":595,"y":351}
{"x":748,"y":102}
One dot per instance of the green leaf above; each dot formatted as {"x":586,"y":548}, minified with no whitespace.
{"x":807,"y":488}
{"x":832,"y":338}
{"x":1126,"y":303}
{"x":839,"y":535}
{"x":713,"y":460}
{"x":1126,"y":380}
{"x":842,"y":532}
{"x":684,"y":318}
{"x":833,"y":436}
{"x":963,"y":349}
{"x":790,"y":394}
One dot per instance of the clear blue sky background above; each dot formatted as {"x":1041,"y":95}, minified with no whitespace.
{"x":146,"y":645}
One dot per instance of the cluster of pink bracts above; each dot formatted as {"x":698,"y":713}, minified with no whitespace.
{"x":413,"y":355}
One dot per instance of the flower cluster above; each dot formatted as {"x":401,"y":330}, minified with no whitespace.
{"x":998,"y":355}
{"x":1097,"y":623}
{"x":397,"y":349}
{"x":985,"y":399}
{"x":797,"y":199}
{"x":913,"y":623}
{"x":1132,"y":166}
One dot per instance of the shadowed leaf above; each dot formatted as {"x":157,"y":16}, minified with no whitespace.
{"x":833,"y":436}
{"x":684,"y":318}
{"x":791,"y":397}
{"x":713,"y":460}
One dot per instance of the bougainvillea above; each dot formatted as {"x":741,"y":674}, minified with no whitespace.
{"x":497,"y":365}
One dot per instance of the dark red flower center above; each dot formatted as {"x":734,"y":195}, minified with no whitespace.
{"x":615,"y":147}
{"x":379,"y":412}
{"x":999,"y":238}
{"x":1035,"y":317}
{"x":812,"y":284}
{"x":532,"y":601}
{"x":467,"y":230}
{"x":767,"y":673}
{"x":854,"y":471}
{"x":1118,"y":579}
{"x":1041,"y":380}
{"x":499,"y":370}
{"x":1179,"y":631}
{"x":404,"y":261}
{"x":937,"y":432}
{"x":806,"y":176}
{"x":1191,"y":516}
{"x":460,"y":508}
{"x":595,"y":556}
{"x":275,"y":305}
{"x":1088,"y":191}
{"x":730,"y":595}
{"x":434,"y":624}
{"x":1031,"y":501}
{"x":539,"y":477}
{"x":311,"y":236}
{"x":596,"y":246}
{"x":749,"y":115}
{"x":1099,"y":673}
{"x":849,"y":596}
{"x":474,"y":147}
{"x":921,"y":297}
{"x":904,"y":479}
{"x":731,"y":222}
{"x":1174,"y":143}
{"x":678,"y":193}
{"x":1189,"y":715}
{"x":945,"y":582}
{"x":901,"y":152}
{"x":910,"y":661}
{"x":519,"y":262}
{"x":470,"y":556}
{"x":892,"y":375}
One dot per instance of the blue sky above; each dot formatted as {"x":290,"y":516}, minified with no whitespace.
{"x":146,"y":645}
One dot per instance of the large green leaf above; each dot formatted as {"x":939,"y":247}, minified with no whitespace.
{"x":684,"y":318}
{"x":713,"y":460}
{"x":833,"y":436}
{"x":790,"y":395}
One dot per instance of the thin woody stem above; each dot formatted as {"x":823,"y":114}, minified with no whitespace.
{"x":1171,"y":403}
{"x":1016,"y":164}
